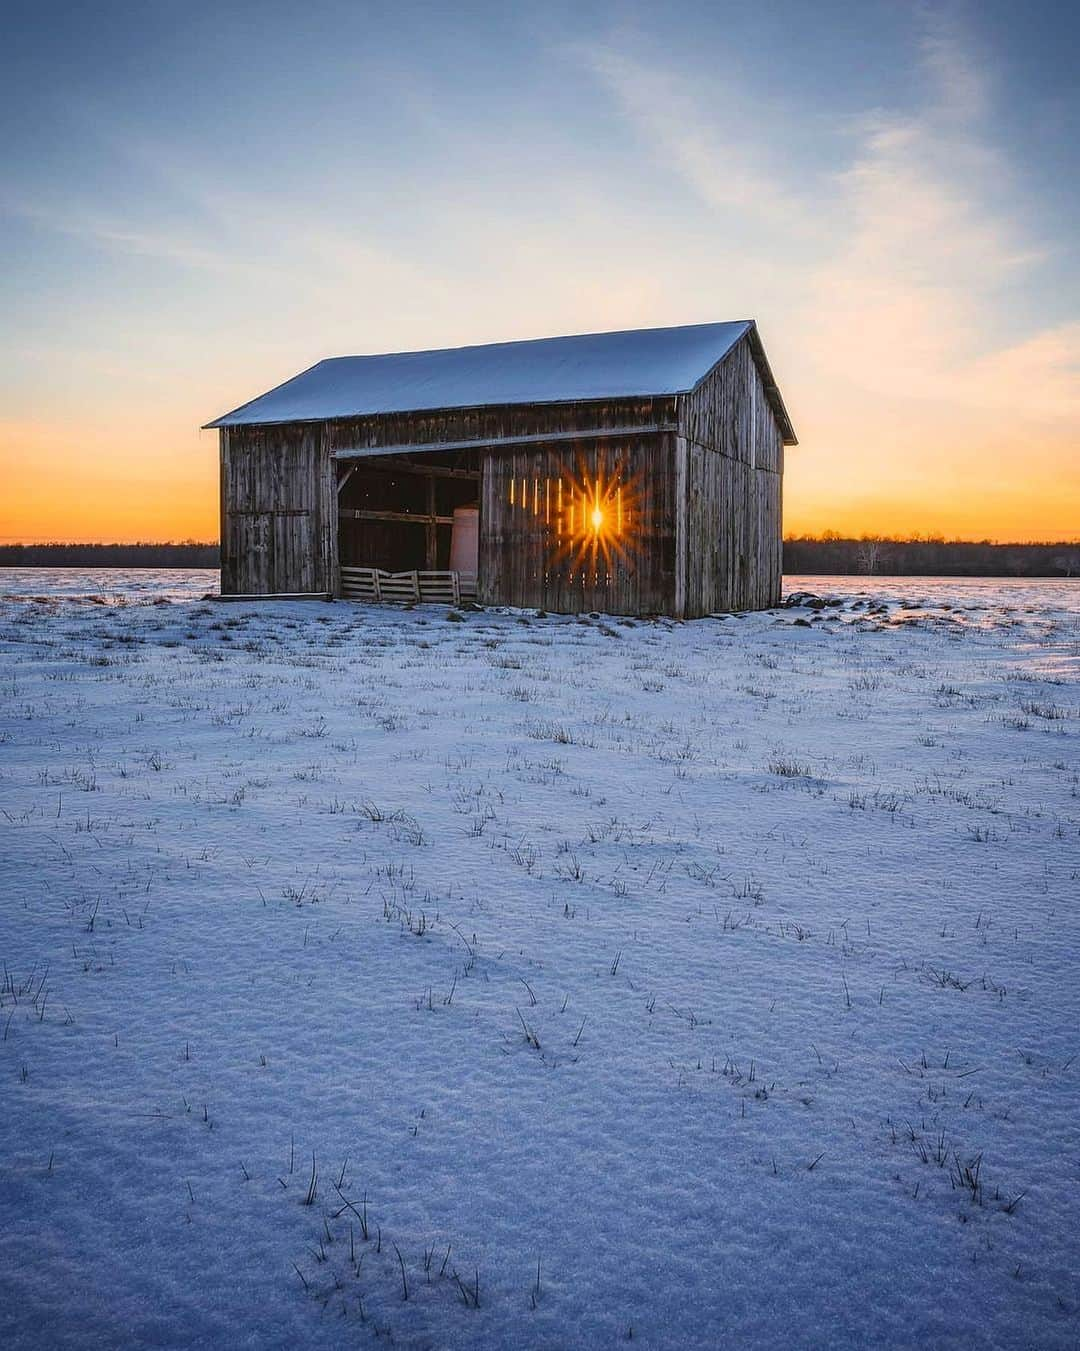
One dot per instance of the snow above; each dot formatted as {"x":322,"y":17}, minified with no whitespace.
{"x":540,"y":370}
{"x":727,"y":970}
{"x":108,"y":586}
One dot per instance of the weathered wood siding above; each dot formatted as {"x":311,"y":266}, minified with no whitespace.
{"x":279,"y":515}
{"x":523,"y":558}
{"x":701,"y":489}
{"x":480,"y":425}
{"x":730,"y":529}
{"x":537,"y":547}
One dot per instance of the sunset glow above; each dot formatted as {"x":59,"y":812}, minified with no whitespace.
{"x":589,"y":520}
{"x":897,"y":213}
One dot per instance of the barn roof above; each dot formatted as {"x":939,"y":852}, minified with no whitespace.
{"x":588,"y":366}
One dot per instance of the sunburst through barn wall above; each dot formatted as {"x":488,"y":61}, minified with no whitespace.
{"x":589,"y":519}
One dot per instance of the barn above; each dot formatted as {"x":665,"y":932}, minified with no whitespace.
{"x":633,"y":473}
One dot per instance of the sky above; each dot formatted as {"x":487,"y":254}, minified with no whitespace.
{"x":199,"y":200}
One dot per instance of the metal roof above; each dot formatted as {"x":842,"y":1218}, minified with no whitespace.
{"x":588,"y":366}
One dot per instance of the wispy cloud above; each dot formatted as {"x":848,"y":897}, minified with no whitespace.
{"x":953,"y":64}
{"x":687,"y":134}
{"x":916,"y":295}
{"x":82,"y":221}
{"x":897,"y":309}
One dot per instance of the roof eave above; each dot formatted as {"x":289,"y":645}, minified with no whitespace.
{"x":223,"y":422}
{"x":772,"y":389}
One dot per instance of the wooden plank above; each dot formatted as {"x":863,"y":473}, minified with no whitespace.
{"x":430,"y":587}
{"x":438,"y":587}
{"x":477,"y":427}
{"x":403,"y":517}
{"x":683,"y":543}
{"x":402,"y":466}
{"x":360,"y":584}
{"x":501,"y":442}
{"x":399,"y":587}
{"x":489,"y":544}
{"x":224,"y":535}
{"x":431,"y":543}
{"x":330,"y":526}
{"x":274,"y":595}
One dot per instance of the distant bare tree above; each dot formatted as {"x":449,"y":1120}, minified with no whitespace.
{"x":871,"y":553}
{"x":1015,"y":562}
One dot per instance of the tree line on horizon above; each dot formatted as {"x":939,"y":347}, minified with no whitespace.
{"x":825,"y":554}
{"x":928,"y":556}
{"x":187,"y":553}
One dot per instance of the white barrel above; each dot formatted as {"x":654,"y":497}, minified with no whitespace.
{"x":465,"y":541}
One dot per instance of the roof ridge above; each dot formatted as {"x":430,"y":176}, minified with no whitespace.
{"x":550,"y":337}
{"x":627,"y":363}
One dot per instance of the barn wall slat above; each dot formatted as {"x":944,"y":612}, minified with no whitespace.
{"x":489,"y":424}
{"x":734,"y":532}
{"x":277,"y":513}
{"x":529,"y":554}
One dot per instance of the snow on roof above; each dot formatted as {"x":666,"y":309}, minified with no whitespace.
{"x":633,"y":363}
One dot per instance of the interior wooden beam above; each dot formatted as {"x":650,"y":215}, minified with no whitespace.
{"x":428,"y":470}
{"x":345,"y":477}
{"x":431,"y":547}
{"x":494,"y":443}
{"x":406,"y":517}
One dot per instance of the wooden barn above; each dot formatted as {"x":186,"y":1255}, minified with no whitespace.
{"x":632,"y":473}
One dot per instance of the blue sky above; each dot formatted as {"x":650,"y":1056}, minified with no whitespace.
{"x":197,"y":201}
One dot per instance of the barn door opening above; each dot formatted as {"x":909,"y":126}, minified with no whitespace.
{"x":405,"y":514}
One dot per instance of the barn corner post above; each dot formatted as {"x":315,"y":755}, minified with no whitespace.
{"x":778,"y":581}
{"x":226,"y":560}
{"x":328,"y":480}
{"x":682,"y":527}
{"x":482,"y":518}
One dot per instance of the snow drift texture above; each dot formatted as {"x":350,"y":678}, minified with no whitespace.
{"x":501,"y":981}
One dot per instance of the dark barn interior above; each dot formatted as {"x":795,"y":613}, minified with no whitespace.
{"x":398,"y":514}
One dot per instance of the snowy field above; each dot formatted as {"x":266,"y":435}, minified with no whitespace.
{"x":492,"y":980}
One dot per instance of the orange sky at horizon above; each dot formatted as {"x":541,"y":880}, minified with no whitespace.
{"x":85,"y":485}
{"x":81,"y":486}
